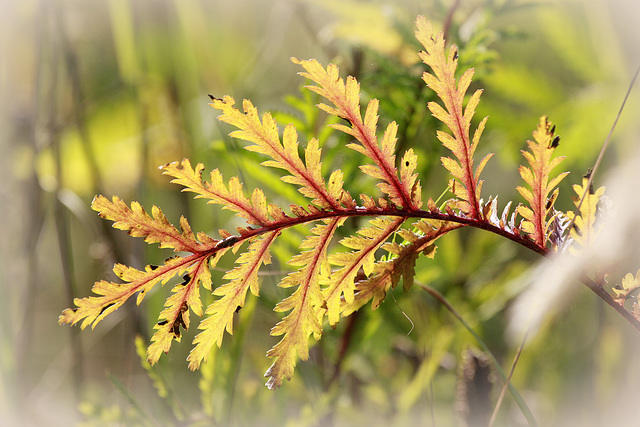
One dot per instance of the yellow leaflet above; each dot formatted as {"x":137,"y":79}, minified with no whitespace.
{"x":345,"y":97}
{"x":138,"y":223}
{"x":341,"y":281}
{"x":583,"y":229}
{"x":233,"y":198}
{"x":386,"y":275}
{"x":457,"y":118}
{"x":219,"y":315}
{"x":264,"y":134}
{"x":176,"y":313}
{"x":540,"y":194}
{"x":112,"y":295}
{"x":304,"y":303}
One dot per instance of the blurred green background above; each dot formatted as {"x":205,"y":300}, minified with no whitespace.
{"x":97,"y":94}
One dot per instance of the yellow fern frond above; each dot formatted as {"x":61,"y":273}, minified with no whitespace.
{"x":345,"y":96}
{"x":466,"y":184}
{"x":325,"y":283}
{"x":304,"y":303}
{"x":219,"y":315}
{"x":264,"y":134}
{"x":540,"y":195}
{"x":254,"y":210}
{"x":387,"y":274}
{"x":584,"y":229}
{"x":176,"y":313}
{"x":156,"y":229}
{"x":341,"y":281}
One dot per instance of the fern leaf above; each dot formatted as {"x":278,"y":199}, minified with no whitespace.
{"x":466,"y":184}
{"x":540,"y":195}
{"x":254,"y":210}
{"x":176,"y":313}
{"x":387,"y":274}
{"x":341,"y":282}
{"x":138,"y":223}
{"x":156,"y":229}
{"x":264,"y":134}
{"x":112,"y":295}
{"x":584,"y":229}
{"x":345,"y":96}
{"x":304,"y":304}
{"x":358,"y":277}
{"x":219,"y":315}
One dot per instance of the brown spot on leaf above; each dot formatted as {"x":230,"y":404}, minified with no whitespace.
{"x":185,"y":280}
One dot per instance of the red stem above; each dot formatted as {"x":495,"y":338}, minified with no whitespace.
{"x":361,"y":212}
{"x":418,"y":213}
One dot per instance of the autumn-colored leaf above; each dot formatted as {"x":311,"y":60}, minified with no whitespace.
{"x":540,"y":195}
{"x":254,"y":210}
{"x":387,"y":274}
{"x":345,"y":97}
{"x":219,"y":315}
{"x":304,"y":303}
{"x":326,"y":284}
{"x":466,"y":184}
{"x":156,"y":229}
{"x":264,"y":134}
{"x":584,"y":223}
